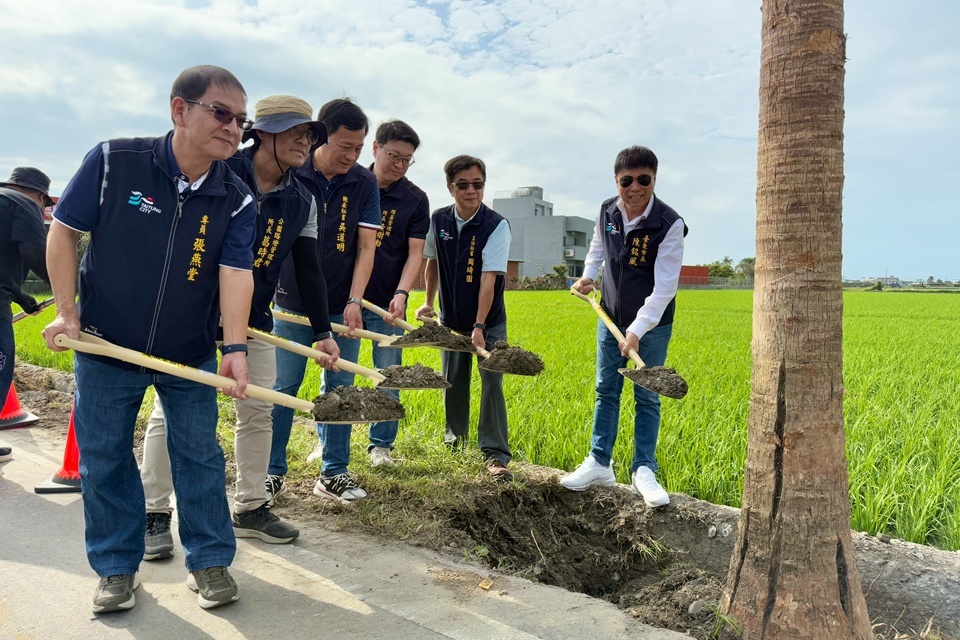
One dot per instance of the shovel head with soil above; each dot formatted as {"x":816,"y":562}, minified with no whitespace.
{"x":503,"y":359}
{"x":663,"y":381}
{"x":397,"y":377}
{"x":382,"y":339}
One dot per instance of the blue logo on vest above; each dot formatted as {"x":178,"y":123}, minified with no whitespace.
{"x":612,"y":228}
{"x":444,"y":235}
{"x":137,"y":199}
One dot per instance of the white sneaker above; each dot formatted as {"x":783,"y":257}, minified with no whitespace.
{"x":588,"y":474}
{"x":317,"y":454}
{"x":380,"y":456}
{"x":645,"y":484}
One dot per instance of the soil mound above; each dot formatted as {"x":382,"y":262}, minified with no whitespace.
{"x":412,"y":377}
{"x":512,"y":360}
{"x":356,"y":404}
{"x":444,"y":337}
{"x":662,"y":380}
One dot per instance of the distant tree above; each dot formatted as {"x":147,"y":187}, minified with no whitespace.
{"x":722,"y":268}
{"x":930,"y":280}
{"x":744,"y":268}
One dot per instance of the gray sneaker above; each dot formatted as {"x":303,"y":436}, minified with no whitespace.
{"x":115,"y":593}
{"x":214,"y":587}
{"x":261,"y":523}
{"x":158,"y":540}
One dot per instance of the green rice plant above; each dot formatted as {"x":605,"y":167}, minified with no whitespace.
{"x":901,"y":376}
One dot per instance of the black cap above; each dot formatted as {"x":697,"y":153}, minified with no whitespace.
{"x":31,"y":178}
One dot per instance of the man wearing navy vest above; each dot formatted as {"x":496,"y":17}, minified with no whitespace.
{"x":638,"y":240}
{"x":466,"y":251}
{"x":283,"y":137}
{"x":348,"y":203}
{"x":171,"y":240}
{"x":23,"y":241}
{"x":396,"y":269}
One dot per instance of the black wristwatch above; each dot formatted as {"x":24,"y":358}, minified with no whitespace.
{"x":406,"y":294}
{"x":233,"y":348}
{"x":323,"y":336}
{"x":479,"y":325}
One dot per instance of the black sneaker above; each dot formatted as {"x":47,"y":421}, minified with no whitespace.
{"x":342,"y":488}
{"x":158,"y":541}
{"x":5,"y":453}
{"x":115,"y":593}
{"x":276,"y":487}
{"x":214,"y":587}
{"x":261,"y":523}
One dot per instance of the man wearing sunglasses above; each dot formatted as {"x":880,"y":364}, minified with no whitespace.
{"x":466,"y":251}
{"x":348,"y":204}
{"x":170,"y":255}
{"x":283,"y":136}
{"x":638,"y":240}
{"x":396,"y":269}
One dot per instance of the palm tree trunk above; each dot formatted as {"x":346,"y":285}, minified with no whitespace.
{"x":793,"y":573}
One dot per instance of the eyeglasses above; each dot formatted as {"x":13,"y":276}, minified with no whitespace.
{"x":463,"y":186}
{"x":643,"y":180}
{"x":396,"y":158}
{"x":224,"y":116}
{"x":304,"y":130}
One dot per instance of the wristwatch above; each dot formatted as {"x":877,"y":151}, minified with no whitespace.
{"x":323,"y":336}
{"x":479,"y":325}
{"x":233,"y":348}
{"x":356,"y":300}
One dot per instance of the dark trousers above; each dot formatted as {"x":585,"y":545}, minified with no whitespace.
{"x":7,"y":351}
{"x":492,"y":426}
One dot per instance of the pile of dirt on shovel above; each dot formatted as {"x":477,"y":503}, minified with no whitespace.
{"x":413,"y":377}
{"x":443,"y":337}
{"x":512,"y":360}
{"x":662,"y":380}
{"x":356,"y":404}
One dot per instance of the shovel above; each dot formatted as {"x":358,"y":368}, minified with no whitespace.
{"x":406,"y":326}
{"x":520,"y":362}
{"x":382,"y":339}
{"x":97,"y":346}
{"x":374,"y":375}
{"x":23,"y":314}
{"x":661,"y":380}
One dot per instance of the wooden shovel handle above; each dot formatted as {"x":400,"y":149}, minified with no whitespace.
{"x":611,"y":326}
{"x":312,"y":353}
{"x":98,"y":346}
{"x":338,"y":328}
{"x":383,"y":313}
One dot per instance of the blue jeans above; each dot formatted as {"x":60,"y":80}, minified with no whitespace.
{"x":383,"y":434}
{"x":606,"y":416}
{"x":335,"y":438}
{"x":106,"y":403}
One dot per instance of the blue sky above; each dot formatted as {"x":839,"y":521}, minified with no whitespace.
{"x":545,"y":92}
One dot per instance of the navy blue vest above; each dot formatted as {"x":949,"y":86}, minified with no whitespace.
{"x":337,"y":220}
{"x":281,"y":216}
{"x":460,"y":258}
{"x":149,"y":280}
{"x":628,"y":272}
{"x":403,"y":204}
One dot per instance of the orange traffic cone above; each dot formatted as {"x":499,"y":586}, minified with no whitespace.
{"x":13,"y":414}
{"x":67,"y":480}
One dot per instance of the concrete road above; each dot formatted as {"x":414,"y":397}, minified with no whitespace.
{"x":325,"y":585}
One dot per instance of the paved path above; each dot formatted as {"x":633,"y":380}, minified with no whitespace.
{"x":326,"y":585}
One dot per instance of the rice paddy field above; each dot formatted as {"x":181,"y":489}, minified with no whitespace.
{"x":902,"y":378}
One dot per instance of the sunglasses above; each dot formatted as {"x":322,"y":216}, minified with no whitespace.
{"x":224,"y":116}
{"x":643,"y":180}
{"x":302,"y":130}
{"x":463,"y":186}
